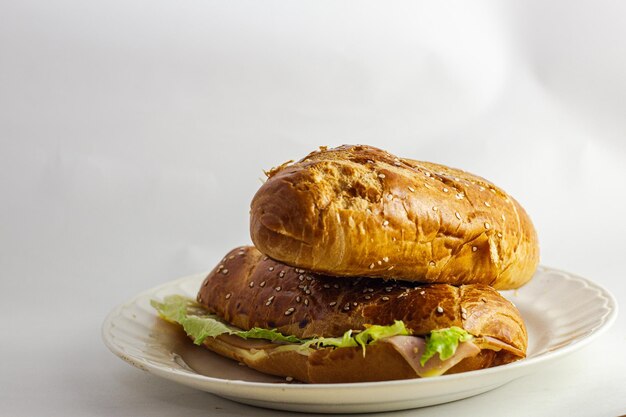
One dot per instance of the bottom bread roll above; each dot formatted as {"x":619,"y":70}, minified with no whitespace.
{"x":288,"y":322}
{"x":382,"y":362}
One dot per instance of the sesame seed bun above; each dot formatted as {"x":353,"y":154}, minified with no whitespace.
{"x":358,"y":211}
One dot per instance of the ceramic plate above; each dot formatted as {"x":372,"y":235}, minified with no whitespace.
{"x":563,"y":313}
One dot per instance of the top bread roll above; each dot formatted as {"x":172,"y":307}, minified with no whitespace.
{"x":360,"y":211}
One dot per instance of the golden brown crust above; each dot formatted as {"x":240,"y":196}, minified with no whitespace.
{"x":248,"y":289}
{"x":327,"y":365}
{"x":360,"y":211}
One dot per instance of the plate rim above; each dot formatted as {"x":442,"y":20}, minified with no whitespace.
{"x":517,"y":367}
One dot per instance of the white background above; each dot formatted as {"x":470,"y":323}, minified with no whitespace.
{"x":133,"y":135}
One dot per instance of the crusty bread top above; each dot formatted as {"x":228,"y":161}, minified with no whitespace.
{"x":248,"y":289}
{"x":360,"y":211}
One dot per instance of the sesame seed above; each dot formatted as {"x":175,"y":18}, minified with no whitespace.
{"x":463,"y":310}
{"x":289,"y":379}
{"x":391,"y":267}
{"x":265,"y":258}
{"x":367,"y":297}
{"x":355,"y":304}
{"x":370,"y":289}
{"x":435,"y":208}
{"x":474,"y":248}
{"x":381,"y":175}
{"x":277,"y":289}
{"x":309,"y":278}
{"x":422,"y":292}
{"x":487,"y":204}
{"x":332,"y":303}
{"x":281,"y":274}
{"x":487,"y":225}
{"x":427,"y":173}
{"x":241,"y":253}
{"x":386,"y":222}
{"x":251,"y":284}
{"x":481,"y":188}
{"x":224,"y":271}
{"x":411,"y":189}
{"x":262,"y":284}
{"x":439,"y":309}
{"x":371,"y":266}
{"x":459,"y":196}
{"x":379,"y":262}
{"x":289,"y":311}
{"x":269,"y":300}
{"x":301,"y":277}
{"x":306,"y":301}
{"x":431,"y":263}
{"x":307,"y":292}
{"x":326,"y":285}
{"x":388,"y":289}
{"x":500,"y":234}
{"x":385,"y":298}
{"x":336,"y":286}
{"x":346,"y":307}
{"x":271,"y":268}
{"x":458,"y":215}
{"x":228,"y":296}
{"x":397,"y":163}
{"x":298,"y":299}
{"x":386,"y":259}
{"x":231,"y":257}
{"x":445,"y":190}
{"x":464,"y":316}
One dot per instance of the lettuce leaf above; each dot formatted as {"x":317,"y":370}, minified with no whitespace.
{"x":444,"y":342}
{"x":199,"y":324}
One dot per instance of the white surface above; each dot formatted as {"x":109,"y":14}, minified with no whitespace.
{"x":133,"y":134}
{"x":556,"y":327}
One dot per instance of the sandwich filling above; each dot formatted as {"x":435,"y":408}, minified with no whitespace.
{"x":430,"y":355}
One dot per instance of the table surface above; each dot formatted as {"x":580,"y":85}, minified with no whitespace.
{"x":133,"y":135}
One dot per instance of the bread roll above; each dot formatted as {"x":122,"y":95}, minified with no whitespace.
{"x":248,"y":289}
{"x":360,"y":211}
{"x":327,"y":365}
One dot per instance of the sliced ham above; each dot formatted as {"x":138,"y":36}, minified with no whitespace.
{"x":411,"y":348}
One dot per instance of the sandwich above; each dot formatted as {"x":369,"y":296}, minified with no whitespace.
{"x":368,"y":267}
{"x":290,"y":322}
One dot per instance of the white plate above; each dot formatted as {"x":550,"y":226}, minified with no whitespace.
{"x":563,"y":313}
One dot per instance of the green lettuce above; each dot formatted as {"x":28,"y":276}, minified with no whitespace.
{"x":444,"y":342}
{"x":362,"y":338}
{"x":199,"y":325}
